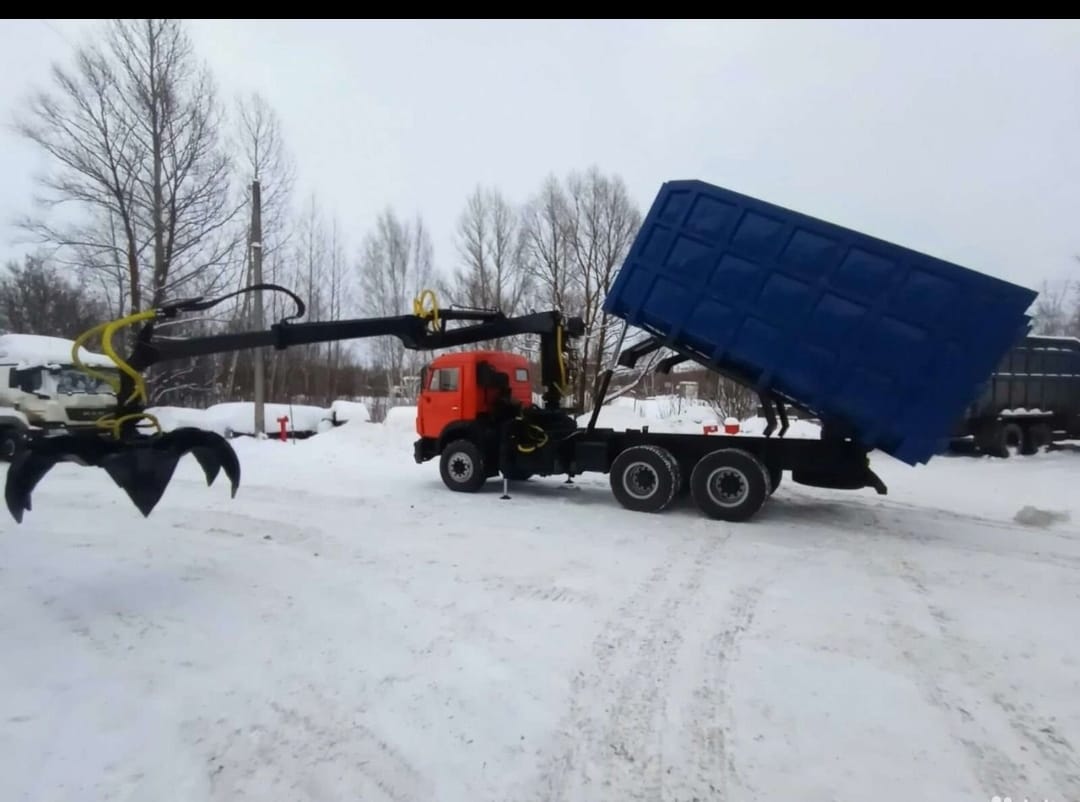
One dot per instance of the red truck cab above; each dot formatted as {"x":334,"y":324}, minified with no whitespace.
{"x":466,"y":385}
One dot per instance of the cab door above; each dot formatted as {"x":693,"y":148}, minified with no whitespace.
{"x":441,"y":400}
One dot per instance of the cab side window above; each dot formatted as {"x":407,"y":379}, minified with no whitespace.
{"x":444,"y":380}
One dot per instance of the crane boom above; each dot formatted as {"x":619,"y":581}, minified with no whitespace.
{"x":143,"y":464}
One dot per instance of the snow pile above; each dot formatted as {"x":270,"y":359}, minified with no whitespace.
{"x":34,"y":350}
{"x":239,"y":417}
{"x":344,"y":411}
{"x":179,"y":417}
{"x":682,"y":416}
{"x":402,"y":419}
{"x":1034,"y":516}
{"x":660,"y":414}
{"x":797,"y":429}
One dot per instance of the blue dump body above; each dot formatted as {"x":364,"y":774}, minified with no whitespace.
{"x":886,"y":344}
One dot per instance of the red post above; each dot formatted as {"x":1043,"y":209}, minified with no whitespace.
{"x":711,"y":428}
{"x":284,"y":429}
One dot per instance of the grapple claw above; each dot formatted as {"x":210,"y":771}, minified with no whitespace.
{"x":141,"y":465}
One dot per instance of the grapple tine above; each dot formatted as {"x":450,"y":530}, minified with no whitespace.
{"x":213,"y":453}
{"x":31,"y":464}
{"x":141,"y":465}
{"x":143,"y":473}
{"x":23,"y":475}
{"x":210,"y":463}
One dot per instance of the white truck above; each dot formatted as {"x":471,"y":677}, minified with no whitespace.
{"x":41,"y":390}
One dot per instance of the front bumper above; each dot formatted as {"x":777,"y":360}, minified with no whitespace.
{"x":424,"y":449}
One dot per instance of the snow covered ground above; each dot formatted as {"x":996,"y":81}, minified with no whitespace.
{"x":347,"y":629}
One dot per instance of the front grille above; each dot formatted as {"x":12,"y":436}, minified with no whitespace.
{"x":84,"y":415}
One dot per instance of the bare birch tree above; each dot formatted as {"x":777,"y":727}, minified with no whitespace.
{"x":396,"y":264}
{"x":545,"y":247}
{"x":133,"y":133}
{"x":602,"y":223}
{"x":261,"y":155}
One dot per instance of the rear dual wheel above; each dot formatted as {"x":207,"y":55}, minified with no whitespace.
{"x":730,"y":484}
{"x":645,"y":478}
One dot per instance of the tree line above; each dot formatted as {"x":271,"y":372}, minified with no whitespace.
{"x":147,"y":199}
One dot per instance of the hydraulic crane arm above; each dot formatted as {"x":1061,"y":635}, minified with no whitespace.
{"x":143,"y":464}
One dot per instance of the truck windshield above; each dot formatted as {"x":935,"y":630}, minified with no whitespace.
{"x":70,"y":381}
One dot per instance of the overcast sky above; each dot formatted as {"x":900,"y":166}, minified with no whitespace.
{"x":958,"y":139}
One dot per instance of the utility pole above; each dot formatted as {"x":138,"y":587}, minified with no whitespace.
{"x":256,"y":269}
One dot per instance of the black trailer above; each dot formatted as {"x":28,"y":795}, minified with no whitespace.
{"x":1031,"y":400}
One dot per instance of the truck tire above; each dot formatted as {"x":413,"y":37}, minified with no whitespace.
{"x":11,"y":443}
{"x":730,"y":484}
{"x":998,"y":439}
{"x":462,"y":466}
{"x":1035,"y":437}
{"x":645,"y":478}
{"x":1012,"y":439}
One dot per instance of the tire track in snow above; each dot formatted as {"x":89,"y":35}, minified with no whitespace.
{"x":313,"y":749}
{"x":617,"y":705}
{"x":1050,"y":751}
{"x":710,"y":728}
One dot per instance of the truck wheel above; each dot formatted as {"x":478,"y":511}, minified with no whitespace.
{"x":730,"y":484}
{"x":1039,"y":436}
{"x":462,"y":466}
{"x":11,"y":443}
{"x":645,"y":478}
{"x":1012,"y":439}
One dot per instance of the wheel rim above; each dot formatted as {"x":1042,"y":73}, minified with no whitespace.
{"x":461,"y":467}
{"x":640,"y":480}
{"x":728,"y":487}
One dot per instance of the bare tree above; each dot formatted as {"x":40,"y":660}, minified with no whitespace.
{"x":491,"y":274}
{"x":1057,"y":309}
{"x":37,"y":298}
{"x":396,"y":264}
{"x":729,"y":399}
{"x":262,"y":156}
{"x":133,"y":134}
{"x":337,"y":299}
{"x":545,"y":247}
{"x":602,"y":223}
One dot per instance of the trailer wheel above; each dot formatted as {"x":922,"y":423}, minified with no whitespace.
{"x":1012,"y":439}
{"x":1039,"y":436}
{"x":645,"y":478}
{"x":462,"y":466}
{"x":730,"y":484}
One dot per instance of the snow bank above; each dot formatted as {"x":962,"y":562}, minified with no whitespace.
{"x":178,"y":417}
{"x":801,"y":429}
{"x":401,"y":419}
{"x":31,"y":350}
{"x":681,"y":416}
{"x":660,"y":414}
{"x":350,"y":411}
{"x":238,"y":417}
